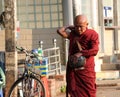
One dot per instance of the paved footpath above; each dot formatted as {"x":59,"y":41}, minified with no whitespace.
{"x":105,"y":88}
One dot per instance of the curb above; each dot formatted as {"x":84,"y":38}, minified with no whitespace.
{"x":109,"y":84}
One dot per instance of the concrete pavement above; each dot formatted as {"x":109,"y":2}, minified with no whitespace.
{"x":108,"y":84}
{"x":105,"y":88}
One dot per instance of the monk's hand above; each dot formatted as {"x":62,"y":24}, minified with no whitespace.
{"x":70,"y":27}
{"x":78,"y":54}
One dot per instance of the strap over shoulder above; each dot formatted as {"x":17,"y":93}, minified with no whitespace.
{"x":79,"y":46}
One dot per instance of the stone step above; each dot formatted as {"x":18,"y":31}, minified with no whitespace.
{"x":113,"y":74}
{"x":109,"y":82}
{"x":109,"y":59}
{"x":98,"y":63}
{"x":110,"y":66}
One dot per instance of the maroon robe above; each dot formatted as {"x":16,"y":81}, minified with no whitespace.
{"x":81,"y":83}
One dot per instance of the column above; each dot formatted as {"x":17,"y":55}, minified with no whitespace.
{"x":67,"y":12}
{"x":94,"y":13}
{"x":115,"y":17}
{"x":101,"y":24}
{"x":10,"y":41}
{"x":67,"y":20}
{"x":77,"y":8}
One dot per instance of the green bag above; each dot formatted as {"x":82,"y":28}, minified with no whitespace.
{"x":2,"y":78}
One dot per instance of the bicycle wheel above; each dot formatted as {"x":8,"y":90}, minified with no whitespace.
{"x":27,"y":87}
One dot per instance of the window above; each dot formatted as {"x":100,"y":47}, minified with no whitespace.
{"x":39,"y":13}
{"x":108,"y":12}
{"x":86,"y":9}
{"x":118,"y":12}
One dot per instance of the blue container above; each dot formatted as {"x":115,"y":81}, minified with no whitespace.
{"x":44,"y":67}
{"x":1,"y":92}
{"x":2,"y":65}
{"x":2,"y":60}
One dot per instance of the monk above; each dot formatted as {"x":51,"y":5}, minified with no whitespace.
{"x":81,"y":82}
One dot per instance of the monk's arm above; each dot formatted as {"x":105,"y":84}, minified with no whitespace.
{"x":94,"y":47}
{"x":62,"y":31}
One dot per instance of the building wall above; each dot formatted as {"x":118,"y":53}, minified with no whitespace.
{"x":1,"y":5}
{"x":119,"y":40}
{"x":37,"y":17}
{"x":24,"y":39}
{"x":2,"y":41}
{"x":47,"y":36}
{"x":118,"y":12}
{"x":39,"y":13}
{"x":108,"y":42}
{"x":29,"y":39}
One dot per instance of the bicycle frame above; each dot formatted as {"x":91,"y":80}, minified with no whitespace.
{"x":28,"y":85}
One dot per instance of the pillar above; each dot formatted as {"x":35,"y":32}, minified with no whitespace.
{"x":10,"y":42}
{"x":67,"y":20}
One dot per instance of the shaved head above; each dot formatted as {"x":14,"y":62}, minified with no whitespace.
{"x":80,"y":19}
{"x":80,"y":24}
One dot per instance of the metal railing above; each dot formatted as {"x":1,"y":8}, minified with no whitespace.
{"x":54,"y":60}
{"x":53,"y":63}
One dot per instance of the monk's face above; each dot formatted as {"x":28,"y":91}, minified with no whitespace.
{"x":80,"y":24}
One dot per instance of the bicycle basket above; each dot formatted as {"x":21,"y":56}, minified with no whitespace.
{"x":33,"y":64}
{"x":34,"y":51}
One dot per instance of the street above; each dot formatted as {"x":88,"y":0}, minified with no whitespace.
{"x":112,"y":91}
{"x":105,"y":88}
{"x":108,"y":91}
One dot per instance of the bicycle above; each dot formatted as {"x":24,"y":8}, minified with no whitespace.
{"x":28,"y":85}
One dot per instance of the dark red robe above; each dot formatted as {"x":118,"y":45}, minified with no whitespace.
{"x":81,"y":83}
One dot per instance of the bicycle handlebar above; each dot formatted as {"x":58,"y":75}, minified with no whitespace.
{"x":20,"y":48}
{"x":24,"y":50}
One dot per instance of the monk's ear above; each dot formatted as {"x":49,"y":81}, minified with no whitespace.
{"x":86,"y":23}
